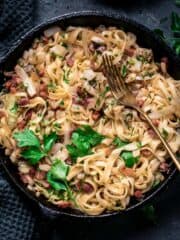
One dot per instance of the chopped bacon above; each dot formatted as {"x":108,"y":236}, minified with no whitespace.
{"x":2,"y":114}
{"x":70,"y":61}
{"x":140,"y":102}
{"x":32,"y":171}
{"x":138,"y":194}
{"x":146,"y":152}
{"x":41,"y":73}
{"x":128,"y":172}
{"x":96,"y":115}
{"x":164,"y":60}
{"x":86,"y":187}
{"x":21,"y":124}
{"x":164,"y":167}
{"x":43,"y":94}
{"x":23,"y":101}
{"x":155,"y":122}
{"x":26,"y":178}
{"x":68,"y":161}
{"x":64,"y":204}
{"x":28,"y":115}
{"x":151,"y":132}
{"x":45,"y":184}
{"x":40,"y":175}
{"x":129,"y":51}
{"x":13,"y":90}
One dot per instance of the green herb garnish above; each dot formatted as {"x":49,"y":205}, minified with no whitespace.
{"x":103,"y":94}
{"x":65,"y":76}
{"x":34,"y":152}
{"x":141,"y":58}
{"x":164,"y":134}
{"x":14,"y":108}
{"x":175,"y":22}
{"x":149,"y":213}
{"x":123,"y":71}
{"x":83,"y":139}
{"x":177,"y":2}
{"x":56,"y":177}
{"x":119,"y":143}
{"x":129,"y":159}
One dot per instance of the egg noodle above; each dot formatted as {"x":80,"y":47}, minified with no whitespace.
{"x":58,"y":87}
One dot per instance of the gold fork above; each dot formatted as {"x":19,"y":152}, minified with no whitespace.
{"x":126,"y":98}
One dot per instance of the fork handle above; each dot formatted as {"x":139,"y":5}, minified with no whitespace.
{"x":166,"y":145}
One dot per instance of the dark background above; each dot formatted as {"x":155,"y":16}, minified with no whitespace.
{"x":18,"y":220}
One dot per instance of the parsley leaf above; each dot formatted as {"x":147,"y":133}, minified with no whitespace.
{"x":103,"y":94}
{"x":83,"y":139}
{"x":65,"y":76}
{"x":176,"y":45}
{"x":56,"y":177}
{"x":14,"y":108}
{"x":129,"y":159}
{"x":33,"y":155}
{"x":119,"y":143}
{"x":177,"y":2}
{"x":49,"y":140}
{"x":34,"y":152}
{"x":149,"y":213}
{"x":175,"y":22}
{"x":123,"y":71}
{"x":164,"y":133}
{"x":26,"y":138}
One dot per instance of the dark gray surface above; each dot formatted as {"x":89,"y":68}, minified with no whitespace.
{"x":134,"y":227}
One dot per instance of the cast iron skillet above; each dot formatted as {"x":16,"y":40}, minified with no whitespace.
{"x":145,"y":38}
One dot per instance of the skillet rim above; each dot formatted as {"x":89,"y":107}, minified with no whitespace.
{"x":50,"y":210}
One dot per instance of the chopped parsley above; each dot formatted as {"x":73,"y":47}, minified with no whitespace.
{"x":32,"y":149}
{"x":103,"y":94}
{"x":14,"y":108}
{"x":119,"y":143}
{"x":123,"y":71}
{"x":61,"y":103}
{"x":66,"y":75}
{"x":129,"y":159}
{"x":149,"y":213}
{"x":177,"y":2}
{"x":83,"y":139}
{"x":164,"y":134}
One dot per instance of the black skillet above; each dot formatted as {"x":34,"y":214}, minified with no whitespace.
{"x":145,"y":38}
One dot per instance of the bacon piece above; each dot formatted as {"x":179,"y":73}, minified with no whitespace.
{"x":138,"y":194}
{"x":86,"y":187}
{"x":151,"y":132}
{"x":21,"y":124}
{"x":155,"y":122}
{"x":96,"y":115}
{"x":128,"y":172}
{"x":70,"y":61}
{"x":164,"y":167}
{"x":23,"y":101}
{"x":165,"y":60}
{"x":40,"y":175}
{"x":64,"y":204}
{"x":140,"y":102}
{"x":129,"y":51}
{"x":26,"y":178}
{"x":2,"y":114}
